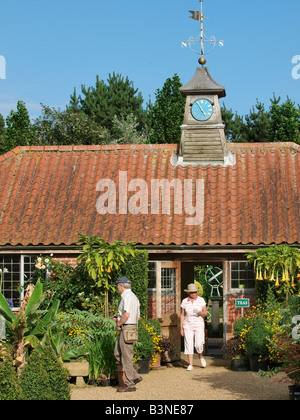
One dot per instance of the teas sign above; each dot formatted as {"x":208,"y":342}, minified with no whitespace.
{"x":242,"y":303}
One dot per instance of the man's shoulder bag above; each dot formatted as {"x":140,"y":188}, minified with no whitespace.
{"x":130,"y":333}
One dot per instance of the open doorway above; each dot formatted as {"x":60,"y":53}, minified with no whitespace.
{"x":210,"y":277}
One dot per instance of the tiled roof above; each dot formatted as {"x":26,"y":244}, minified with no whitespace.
{"x":49,"y":195}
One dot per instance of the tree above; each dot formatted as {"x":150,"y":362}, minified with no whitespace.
{"x":126,"y":129}
{"x":235,"y":128}
{"x":257,"y":124}
{"x":2,"y":134}
{"x":19,"y":130}
{"x":117,"y":97}
{"x":29,"y":327}
{"x":71,"y":126}
{"x":284,"y":124}
{"x":101,"y":259}
{"x":280,"y":124}
{"x":167,"y":113}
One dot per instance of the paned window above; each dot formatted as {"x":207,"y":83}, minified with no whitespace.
{"x":168,"y":286}
{"x":16,"y":272}
{"x":242,"y":275}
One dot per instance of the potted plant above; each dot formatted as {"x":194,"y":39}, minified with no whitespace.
{"x":143,"y":349}
{"x":256,"y":345}
{"x":233,"y":347}
{"x":289,"y":351}
{"x":168,"y":350}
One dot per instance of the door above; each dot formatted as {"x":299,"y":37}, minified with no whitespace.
{"x":165,"y":297}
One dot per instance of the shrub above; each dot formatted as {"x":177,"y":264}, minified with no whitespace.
{"x":34,"y":379}
{"x":143,"y":348}
{"x":9,"y":387}
{"x":101,"y":350}
{"x":136,"y":269}
{"x":258,"y":329}
{"x":257,"y":339}
{"x":233,"y":347}
{"x":44,"y":377}
{"x":57,"y":374}
{"x":289,"y":351}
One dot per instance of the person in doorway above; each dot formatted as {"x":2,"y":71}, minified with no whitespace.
{"x":129,"y":314}
{"x":193,"y":313}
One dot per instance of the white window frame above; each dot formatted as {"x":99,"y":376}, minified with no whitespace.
{"x":235,"y":290}
{"x":21,"y":273}
{"x":158,"y":291}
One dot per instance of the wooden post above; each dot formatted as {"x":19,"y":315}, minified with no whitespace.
{"x":158,"y":290}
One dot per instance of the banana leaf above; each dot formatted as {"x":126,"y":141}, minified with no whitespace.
{"x":5,"y":310}
{"x":35,"y":297}
{"x":45,"y":322}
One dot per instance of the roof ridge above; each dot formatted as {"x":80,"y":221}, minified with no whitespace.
{"x":67,"y":148}
{"x":262,"y":146}
{"x":108,"y":147}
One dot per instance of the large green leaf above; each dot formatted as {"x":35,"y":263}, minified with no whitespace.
{"x":32,"y":340}
{"x":35,"y":297}
{"x":45,"y":322}
{"x":5,"y":310}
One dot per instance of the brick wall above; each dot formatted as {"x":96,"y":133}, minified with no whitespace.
{"x":72,"y":260}
{"x":233,"y":313}
{"x":168,"y":305}
{"x":169,"y":302}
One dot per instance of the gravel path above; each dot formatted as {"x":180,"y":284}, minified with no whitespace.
{"x":215,"y":382}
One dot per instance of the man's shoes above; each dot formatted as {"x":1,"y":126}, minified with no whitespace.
{"x":137,"y":380}
{"x":126,"y":389}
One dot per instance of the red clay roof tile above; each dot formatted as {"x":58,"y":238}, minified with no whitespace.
{"x":49,"y":195}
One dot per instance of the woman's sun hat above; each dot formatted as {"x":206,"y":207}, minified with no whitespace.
{"x":192,"y":288}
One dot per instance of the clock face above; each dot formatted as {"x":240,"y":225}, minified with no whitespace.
{"x":202,"y":110}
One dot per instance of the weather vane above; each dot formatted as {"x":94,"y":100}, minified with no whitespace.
{"x":201,"y":39}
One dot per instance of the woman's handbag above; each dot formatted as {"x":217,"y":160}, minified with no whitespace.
{"x":130,"y":333}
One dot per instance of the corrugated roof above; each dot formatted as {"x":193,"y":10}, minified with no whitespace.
{"x":49,"y":195}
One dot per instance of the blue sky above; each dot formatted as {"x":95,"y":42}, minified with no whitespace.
{"x":50,"y":47}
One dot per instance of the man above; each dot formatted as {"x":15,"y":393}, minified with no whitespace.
{"x":129,"y":314}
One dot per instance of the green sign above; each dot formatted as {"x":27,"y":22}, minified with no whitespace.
{"x":242,"y":303}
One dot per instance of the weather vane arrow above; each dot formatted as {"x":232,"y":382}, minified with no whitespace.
{"x":196,"y":15}
{"x":202,"y":38}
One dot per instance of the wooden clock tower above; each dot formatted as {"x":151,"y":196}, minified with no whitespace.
{"x":203,"y":137}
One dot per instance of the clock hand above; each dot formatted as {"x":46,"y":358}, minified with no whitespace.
{"x":201,"y":109}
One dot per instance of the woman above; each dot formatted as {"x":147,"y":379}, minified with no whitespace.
{"x":193,"y":312}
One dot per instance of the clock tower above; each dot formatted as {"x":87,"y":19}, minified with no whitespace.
{"x":203,"y":137}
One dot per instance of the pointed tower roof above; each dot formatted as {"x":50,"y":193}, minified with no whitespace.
{"x":203,"y":82}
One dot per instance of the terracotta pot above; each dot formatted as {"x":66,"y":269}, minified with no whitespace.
{"x":157,"y":363}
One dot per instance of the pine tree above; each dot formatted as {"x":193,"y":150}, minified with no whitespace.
{"x":19,"y":130}
{"x":117,"y":97}
{"x":235,"y":128}
{"x":257,"y":124}
{"x":167,"y":113}
{"x":2,"y":134}
{"x":284,"y":125}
